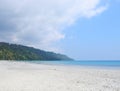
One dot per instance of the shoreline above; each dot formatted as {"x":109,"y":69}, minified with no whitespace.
{"x":69,"y":65}
{"x":25,"y":76}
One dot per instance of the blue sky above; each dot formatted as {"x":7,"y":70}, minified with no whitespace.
{"x":97,"y":38}
{"x":81,"y":29}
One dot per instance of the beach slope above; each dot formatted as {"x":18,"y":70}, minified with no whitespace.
{"x":23,"y":76}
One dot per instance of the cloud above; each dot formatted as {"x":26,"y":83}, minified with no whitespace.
{"x":40,"y":23}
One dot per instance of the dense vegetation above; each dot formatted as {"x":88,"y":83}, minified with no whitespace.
{"x":19,"y":52}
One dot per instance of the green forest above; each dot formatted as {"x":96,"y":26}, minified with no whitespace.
{"x":19,"y":52}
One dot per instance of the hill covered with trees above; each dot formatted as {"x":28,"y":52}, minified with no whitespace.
{"x":19,"y":52}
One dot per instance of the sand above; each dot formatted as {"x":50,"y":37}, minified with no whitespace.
{"x":23,"y":76}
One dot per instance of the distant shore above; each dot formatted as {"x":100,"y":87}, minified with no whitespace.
{"x":24,"y":76}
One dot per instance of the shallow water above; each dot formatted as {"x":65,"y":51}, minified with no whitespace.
{"x":100,"y":63}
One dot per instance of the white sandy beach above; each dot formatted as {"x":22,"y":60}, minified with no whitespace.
{"x":22,"y":76}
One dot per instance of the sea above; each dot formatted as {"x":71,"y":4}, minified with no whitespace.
{"x":96,"y":63}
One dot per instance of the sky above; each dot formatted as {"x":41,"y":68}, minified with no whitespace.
{"x":81,"y":29}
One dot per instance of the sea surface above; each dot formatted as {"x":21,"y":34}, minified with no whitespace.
{"x":98,"y":63}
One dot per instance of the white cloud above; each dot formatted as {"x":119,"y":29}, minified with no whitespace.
{"x":41,"y":22}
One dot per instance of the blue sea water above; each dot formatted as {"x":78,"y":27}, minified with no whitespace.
{"x":99,"y":63}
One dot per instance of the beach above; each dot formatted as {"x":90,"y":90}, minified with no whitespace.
{"x":25,"y":76}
